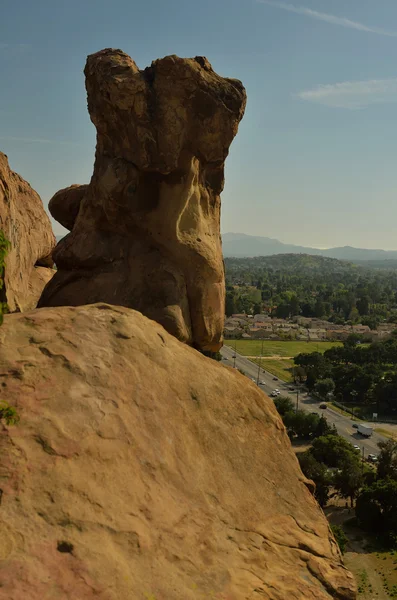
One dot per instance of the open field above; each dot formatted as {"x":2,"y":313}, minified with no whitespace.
{"x":271,"y":348}
{"x":281,"y":368}
{"x":277,"y":356}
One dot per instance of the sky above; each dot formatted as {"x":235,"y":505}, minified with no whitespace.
{"x":314,"y":161}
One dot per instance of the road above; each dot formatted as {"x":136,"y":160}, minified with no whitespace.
{"x":305,"y":402}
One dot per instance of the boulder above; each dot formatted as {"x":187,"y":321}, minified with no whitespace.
{"x":142,"y":469}
{"x":145,"y":233}
{"x":27,"y":227}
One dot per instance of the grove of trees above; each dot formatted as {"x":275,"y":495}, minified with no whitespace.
{"x":311,"y":286}
{"x":363,"y":375}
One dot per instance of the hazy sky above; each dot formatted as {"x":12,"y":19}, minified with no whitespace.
{"x":315,"y":159}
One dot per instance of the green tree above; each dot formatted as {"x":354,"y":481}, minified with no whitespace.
{"x":333,"y":450}
{"x":349,"y":479}
{"x":387,"y":460}
{"x":283,"y":405}
{"x":324,"y":387}
{"x":363,"y":305}
{"x":318,"y":473}
{"x":376,"y":508}
{"x":257,"y":309}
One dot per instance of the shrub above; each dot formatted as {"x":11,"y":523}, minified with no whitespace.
{"x":340,"y":537}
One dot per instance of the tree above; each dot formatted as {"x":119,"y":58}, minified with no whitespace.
{"x":363,"y":305}
{"x":349,"y":479}
{"x":387,"y":460}
{"x":318,"y":473}
{"x":257,"y":309}
{"x":230,"y":304}
{"x":376,"y":507}
{"x":333,"y":450}
{"x":324,"y":387}
{"x":283,"y":405}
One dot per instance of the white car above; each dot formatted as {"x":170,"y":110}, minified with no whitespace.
{"x":356,"y":447}
{"x":276,"y":390}
{"x":372,"y":458}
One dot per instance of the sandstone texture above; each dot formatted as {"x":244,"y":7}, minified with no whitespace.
{"x":142,"y":470}
{"x":28,"y":229}
{"x":145,"y":233}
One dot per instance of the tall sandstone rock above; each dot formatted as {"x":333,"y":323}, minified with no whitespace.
{"x":145,"y":233}
{"x":141,"y":469}
{"x":28,"y":229}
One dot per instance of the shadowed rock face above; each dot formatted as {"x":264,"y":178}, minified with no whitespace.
{"x":28,"y":229}
{"x":145,"y":232}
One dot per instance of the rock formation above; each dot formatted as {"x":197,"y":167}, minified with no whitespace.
{"x":141,"y":469}
{"x":28,"y":229}
{"x":145,"y":231}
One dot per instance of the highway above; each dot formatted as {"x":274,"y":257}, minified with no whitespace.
{"x":343,"y":424}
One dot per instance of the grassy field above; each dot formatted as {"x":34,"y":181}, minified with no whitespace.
{"x":277,"y":356}
{"x":281,"y":368}
{"x":271,"y":348}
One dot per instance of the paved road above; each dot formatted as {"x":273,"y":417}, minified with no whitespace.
{"x":342,"y":423}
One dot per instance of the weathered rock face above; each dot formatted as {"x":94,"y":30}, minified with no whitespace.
{"x":141,"y":469}
{"x":28,"y":229}
{"x":145,"y":232}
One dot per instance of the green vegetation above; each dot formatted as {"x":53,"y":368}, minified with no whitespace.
{"x":8,"y":414}
{"x":4,"y":246}
{"x":340,"y":537}
{"x":362,"y":376}
{"x":271,"y":348}
{"x":311,"y":286}
{"x":331,"y":461}
{"x":282,"y":366}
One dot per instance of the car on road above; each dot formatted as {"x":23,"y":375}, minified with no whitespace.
{"x":354,"y":425}
{"x":275,"y":379}
{"x":372,"y":458}
{"x":291,"y":389}
{"x":356,"y":447}
{"x":233,"y":356}
{"x":262,"y":383}
{"x":323,"y":405}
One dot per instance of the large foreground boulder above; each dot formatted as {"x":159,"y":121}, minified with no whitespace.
{"x":28,"y":229}
{"x":145,"y":233}
{"x":141,"y":469}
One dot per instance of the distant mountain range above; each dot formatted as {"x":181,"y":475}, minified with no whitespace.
{"x":243,"y":245}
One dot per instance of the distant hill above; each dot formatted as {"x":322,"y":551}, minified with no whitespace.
{"x":290,"y":263}
{"x":243,"y":245}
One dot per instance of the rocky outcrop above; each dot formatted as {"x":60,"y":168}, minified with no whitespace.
{"x":28,"y":229}
{"x":141,"y":469}
{"x":145,"y":231}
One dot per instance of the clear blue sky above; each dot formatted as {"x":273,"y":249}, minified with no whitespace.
{"x":315,"y":160}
